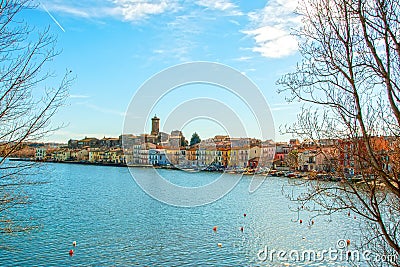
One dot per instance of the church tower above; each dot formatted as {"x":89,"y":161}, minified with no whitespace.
{"x":155,"y":125}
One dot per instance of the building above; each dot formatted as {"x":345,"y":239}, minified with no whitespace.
{"x":155,"y":126}
{"x":72,"y":144}
{"x":282,"y":150}
{"x":40,"y":153}
{"x":224,"y":155}
{"x":110,"y":142}
{"x":294,"y":143}
{"x":326,"y":159}
{"x":234,"y":162}
{"x":128,"y":141}
{"x":244,"y":156}
{"x":95,"y":155}
{"x":210,"y":153}
{"x":144,"y":153}
{"x":173,"y":156}
{"x":254,"y":156}
{"x":176,"y":139}
{"x":308,"y":160}
{"x":174,"y":142}
{"x":158,"y":157}
{"x":61,"y":155}
{"x":89,"y":142}
{"x":201,"y":157}
{"x":268,"y":150}
{"x":80,"y":155}
{"x":191,"y":155}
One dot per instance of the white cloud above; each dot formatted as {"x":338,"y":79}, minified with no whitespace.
{"x":127,"y":10}
{"x":159,"y":51}
{"x":234,"y":22}
{"x":271,"y":29}
{"x":68,"y":10}
{"x":273,"y":42}
{"x":83,"y":9}
{"x":242,"y":58}
{"x":132,"y":10}
{"x":222,"y":5}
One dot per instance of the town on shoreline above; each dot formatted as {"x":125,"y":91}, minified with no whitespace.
{"x":220,"y":153}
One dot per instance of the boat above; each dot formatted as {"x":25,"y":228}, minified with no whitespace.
{"x":273,"y":172}
{"x":249,"y":172}
{"x":291,"y":175}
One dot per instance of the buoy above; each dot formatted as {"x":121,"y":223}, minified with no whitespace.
{"x":312,"y":222}
{"x":215,"y":228}
{"x":301,"y":221}
{"x":348,"y":214}
{"x":241,"y":228}
{"x":220,"y":245}
{"x":71,"y":252}
{"x":74,"y":243}
{"x":244,"y":215}
{"x":355,"y":217}
{"x":348,"y":242}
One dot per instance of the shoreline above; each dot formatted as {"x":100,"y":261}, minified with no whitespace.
{"x":95,"y":163}
{"x":300,"y":175}
{"x":111,"y":164}
{"x":78,"y":162}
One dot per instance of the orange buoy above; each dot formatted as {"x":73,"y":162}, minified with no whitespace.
{"x":241,"y":228}
{"x":348,"y":242}
{"x":301,"y":221}
{"x":74,"y":243}
{"x":220,"y":245}
{"x":244,"y":215}
{"x":71,"y":252}
{"x":215,"y":228}
{"x":348,"y":214}
{"x":312,"y":222}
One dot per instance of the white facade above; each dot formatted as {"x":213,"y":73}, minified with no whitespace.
{"x":40,"y":153}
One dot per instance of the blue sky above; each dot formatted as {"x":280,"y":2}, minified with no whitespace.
{"x":115,"y":46}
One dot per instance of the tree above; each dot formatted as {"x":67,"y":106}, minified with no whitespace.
{"x":349,"y":82}
{"x":195,"y":139}
{"x":292,"y":159}
{"x":24,"y":116}
{"x":183,"y":142}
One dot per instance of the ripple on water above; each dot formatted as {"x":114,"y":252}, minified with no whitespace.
{"x":115,"y":223}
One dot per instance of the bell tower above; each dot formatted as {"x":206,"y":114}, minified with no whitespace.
{"x":155,"y":125}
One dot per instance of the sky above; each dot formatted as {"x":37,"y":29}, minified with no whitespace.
{"x":114,"y":46}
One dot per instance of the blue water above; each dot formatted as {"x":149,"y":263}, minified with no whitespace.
{"x":115,"y":223}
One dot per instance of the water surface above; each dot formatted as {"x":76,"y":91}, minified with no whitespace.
{"x":115,"y":223}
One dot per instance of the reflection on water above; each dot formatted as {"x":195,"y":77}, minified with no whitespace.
{"x":115,"y":223}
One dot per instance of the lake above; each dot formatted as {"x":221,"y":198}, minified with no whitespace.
{"x":115,"y":223}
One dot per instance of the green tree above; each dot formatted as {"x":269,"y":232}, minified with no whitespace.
{"x":349,"y":82}
{"x":184,"y":142}
{"x":195,"y":139}
{"x":24,"y":117}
